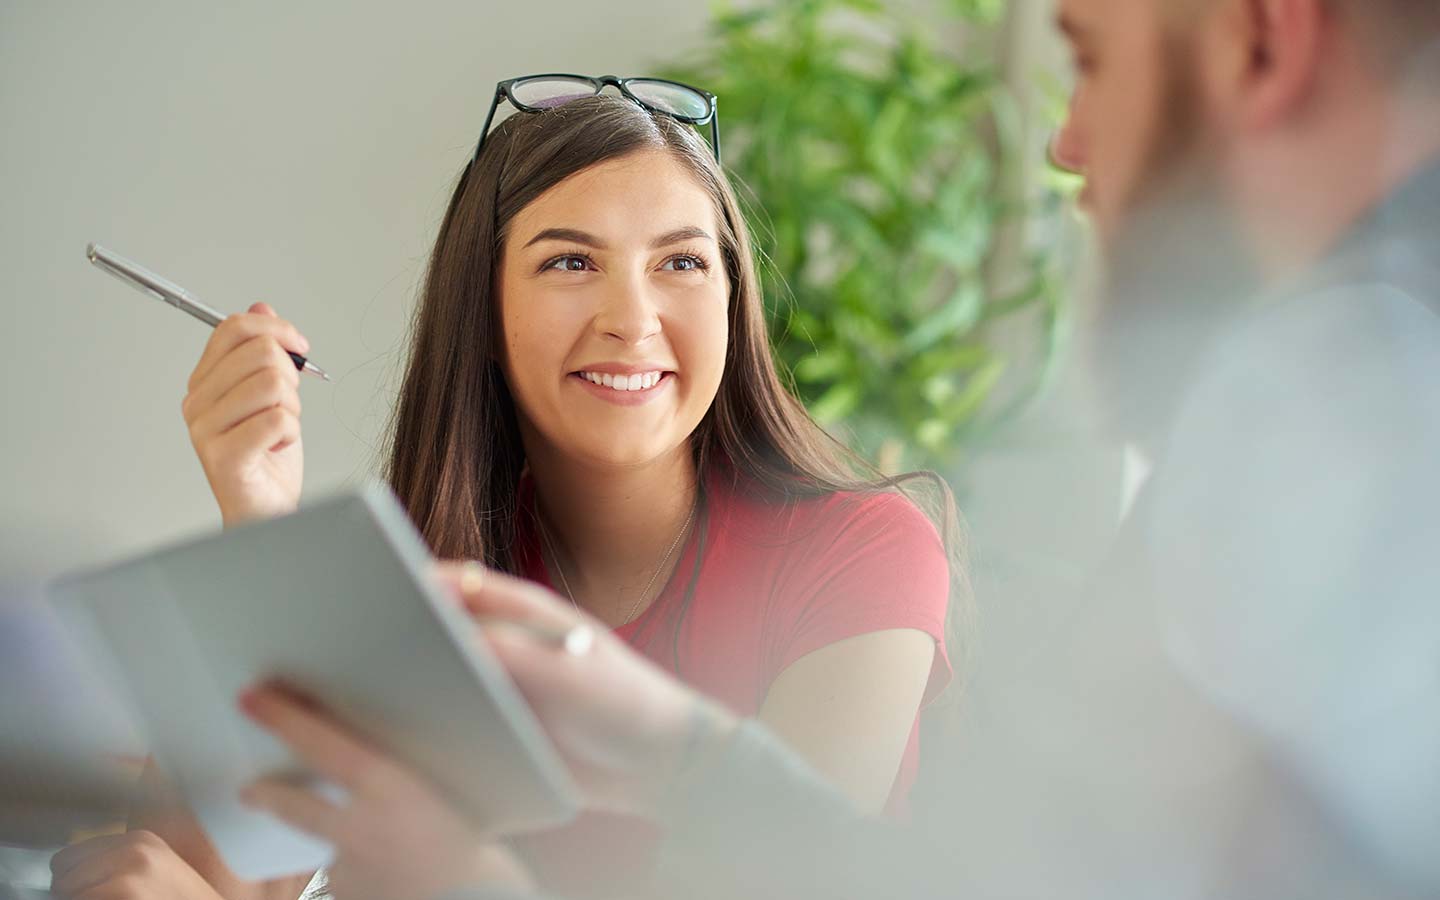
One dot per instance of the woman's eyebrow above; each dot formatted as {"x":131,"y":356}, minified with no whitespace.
{"x":690,"y":233}
{"x":569,"y":235}
{"x":585,"y":238}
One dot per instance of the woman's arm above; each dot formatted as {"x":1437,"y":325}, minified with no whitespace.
{"x":848,"y":709}
{"x":160,"y":810}
{"x":636,"y":740}
{"x":135,"y":865}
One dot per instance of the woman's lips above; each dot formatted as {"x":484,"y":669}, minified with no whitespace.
{"x":658,"y":384}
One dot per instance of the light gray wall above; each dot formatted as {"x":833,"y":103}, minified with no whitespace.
{"x":299,"y":153}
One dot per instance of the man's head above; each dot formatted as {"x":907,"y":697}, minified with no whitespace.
{"x":1268,"y":103}
{"x":1226,"y":143}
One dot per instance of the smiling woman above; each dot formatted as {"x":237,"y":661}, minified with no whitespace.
{"x":625,"y":437}
{"x":591,"y":403}
{"x":614,"y":310}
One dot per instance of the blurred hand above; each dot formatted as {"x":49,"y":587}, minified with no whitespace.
{"x":624,"y":726}
{"x":136,"y":865}
{"x":394,"y":836}
{"x":243,"y":412}
{"x":159,"y":808}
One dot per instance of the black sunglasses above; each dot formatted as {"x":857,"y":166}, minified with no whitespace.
{"x":537,"y":93}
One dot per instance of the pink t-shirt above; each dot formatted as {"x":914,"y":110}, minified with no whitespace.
{"x":776,"y":581}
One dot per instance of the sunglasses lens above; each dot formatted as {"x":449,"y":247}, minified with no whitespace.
{"x":543,"y":93}
{"x":671,"y":98}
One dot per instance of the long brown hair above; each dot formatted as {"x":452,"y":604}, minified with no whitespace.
{"x":455,"y":454}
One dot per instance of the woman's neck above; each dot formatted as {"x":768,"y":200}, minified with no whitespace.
{"x":612,"y":527}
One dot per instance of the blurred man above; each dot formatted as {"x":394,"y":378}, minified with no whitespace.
{"x":1265,"y":181}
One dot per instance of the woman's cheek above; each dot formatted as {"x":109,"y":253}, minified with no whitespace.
{"x":708,"y":342}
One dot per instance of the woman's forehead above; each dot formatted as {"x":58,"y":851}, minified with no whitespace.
{"x":630,"y":199}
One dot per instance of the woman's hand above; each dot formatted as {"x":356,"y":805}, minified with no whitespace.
{"x":394,"y":835}
{"x":624,"y":727}
{"x":159,"y":808}
{"x":243,"y":412}
{"x":136,"y":865}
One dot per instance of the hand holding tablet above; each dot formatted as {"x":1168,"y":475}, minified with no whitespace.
{"x":339,"y":603}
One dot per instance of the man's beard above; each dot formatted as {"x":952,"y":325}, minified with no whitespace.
{"x":1177,"y":270}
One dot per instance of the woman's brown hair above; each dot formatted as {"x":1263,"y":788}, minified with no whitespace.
{"x":455,"y":455}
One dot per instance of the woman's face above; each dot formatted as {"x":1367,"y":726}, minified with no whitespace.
{"x":614,"y":302}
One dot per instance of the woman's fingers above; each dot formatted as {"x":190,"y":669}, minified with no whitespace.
{"x":271,"y":430}
{"x":75,"y":855}
{"x":323,"y":746}
{"x":105,"y":861}
{"x":486,"y":593}
{"x":261,"y":391}
{"x":241,"y":327}
{"x":93,"y":870}
{"x":301,"y":807}
{"x":249,"y":358}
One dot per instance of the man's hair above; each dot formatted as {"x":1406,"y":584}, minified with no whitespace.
{"x":1397,"y":31}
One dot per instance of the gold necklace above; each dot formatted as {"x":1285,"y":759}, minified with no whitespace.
{"x":565,"y":582}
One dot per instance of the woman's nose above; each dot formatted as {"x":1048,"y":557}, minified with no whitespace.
{"x":628,"y":311}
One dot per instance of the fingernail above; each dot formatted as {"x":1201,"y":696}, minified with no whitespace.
{"x":472,"y":578}
{"x":304,"y":344}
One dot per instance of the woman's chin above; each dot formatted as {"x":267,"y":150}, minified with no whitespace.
{"x":620,"y":454}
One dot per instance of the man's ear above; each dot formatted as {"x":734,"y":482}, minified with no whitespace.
{"x":1283,"y":44}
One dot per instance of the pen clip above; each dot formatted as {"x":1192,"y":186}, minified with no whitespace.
{"x":104,"y":265}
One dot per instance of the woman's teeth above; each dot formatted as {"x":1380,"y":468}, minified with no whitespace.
{"x":642,"y":382}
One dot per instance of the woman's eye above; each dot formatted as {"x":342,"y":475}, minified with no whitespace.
{"x":568,"y":264}
{"x":684,"y":264}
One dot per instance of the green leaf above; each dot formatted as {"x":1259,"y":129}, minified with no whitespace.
{"x":962,"y":246}
{"x":934,"y":434}
{"x":836,"y":403}
{"x":822,"y":366}
{"x":976,"y":390}
{"x":955,"y":318}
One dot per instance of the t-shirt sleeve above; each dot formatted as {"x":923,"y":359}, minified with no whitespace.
{"x":864,"y":564}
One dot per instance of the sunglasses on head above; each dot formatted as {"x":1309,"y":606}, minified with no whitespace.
{"x":537,"y":93}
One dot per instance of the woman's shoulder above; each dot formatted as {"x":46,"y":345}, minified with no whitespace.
{"x":839,"y":520}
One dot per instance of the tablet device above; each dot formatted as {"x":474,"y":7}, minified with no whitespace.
{"x":337,"y":601}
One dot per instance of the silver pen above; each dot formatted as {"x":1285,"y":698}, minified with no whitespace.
{"x":148,"y":282}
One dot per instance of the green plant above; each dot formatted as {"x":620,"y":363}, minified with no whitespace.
{"x":873,"y":160}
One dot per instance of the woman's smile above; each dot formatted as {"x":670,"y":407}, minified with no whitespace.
{"x":624,"y":388}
